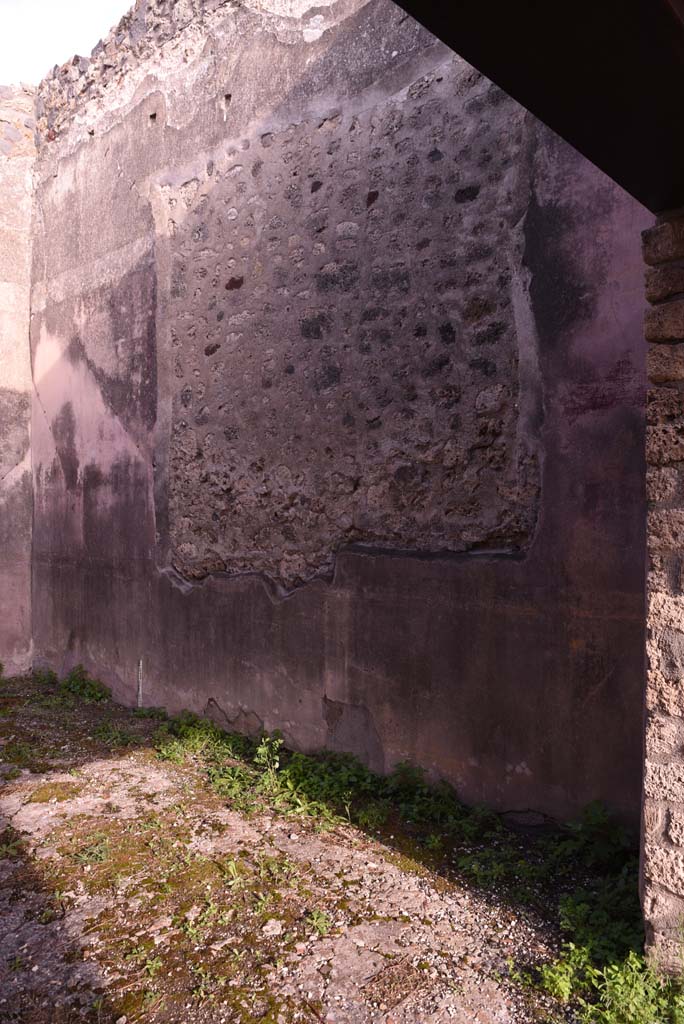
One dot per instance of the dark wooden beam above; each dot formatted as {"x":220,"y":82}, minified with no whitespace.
{"x":606,"y":75}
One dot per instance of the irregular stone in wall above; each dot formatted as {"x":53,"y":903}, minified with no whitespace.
{"x":16,"y":122}
{"x":665,"y":737}
{"x":663,"y":693}
{"x":656,"y":903}
{"x":665,"y":782}
{"x":664,"y":484}
{"x":14,"y":429}
{"x":666,"y":321}
{"x":666,"y":530}
{"x":664,"y":281}
{"x":346,"y":355}
{"x":666,"y":867}
{"x":665,"y":363}
{"x":665,"y":430}
{"x":665,"y":444}
{"x":664,"y":242}
{"x":675,"y":827}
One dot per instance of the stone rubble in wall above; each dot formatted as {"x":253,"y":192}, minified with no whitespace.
{"x":138,"y":36}
{"x":138,"y":39}
{"x":354,"y":333}
{"x":663,"y":886}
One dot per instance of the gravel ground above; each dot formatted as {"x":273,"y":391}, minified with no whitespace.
{"x":129,"y":891}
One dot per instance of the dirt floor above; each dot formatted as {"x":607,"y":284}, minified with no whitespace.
{"x":131,"y":891}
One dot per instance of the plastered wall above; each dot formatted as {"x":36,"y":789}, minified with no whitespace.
{"x":338,"y":409}
{"x":16,"y":163}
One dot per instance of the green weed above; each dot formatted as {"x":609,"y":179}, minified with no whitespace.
{"x":10,"y":844}
{"x":78,"y":684}
{"x":17,"y":752}
{"x":319,"y":921}
{"x":95,"y":853}
{"x":631,"y":992}
{"x":113,"y":736}
{"x":144,"y":961}
{"x":150,"y":713}
{"x":591,"y":863}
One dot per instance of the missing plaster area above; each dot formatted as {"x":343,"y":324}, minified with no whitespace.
{"x":344,"y":349}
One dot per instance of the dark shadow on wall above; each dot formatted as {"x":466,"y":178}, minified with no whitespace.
{"x":16,"y":501}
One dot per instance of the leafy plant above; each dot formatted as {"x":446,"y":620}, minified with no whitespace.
{"x":80,"y":685}
{"x":112,"y":735}
{"x":10,"y":844}
{"x":319,"y":921}
{"x":18,"y":752}
{"x":95,"y":853}
{"x":150,"y":713}
{"x":631,"y":992}
{"x":46,"y":677}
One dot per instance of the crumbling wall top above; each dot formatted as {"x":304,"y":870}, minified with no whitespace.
{"x":138,"y":35}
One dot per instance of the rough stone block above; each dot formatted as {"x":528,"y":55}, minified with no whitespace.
{"x":665,"y":865}
{"x":665,"y":444}
{"x":660,"y":907}
{"x":664,"y":737}
{"x":665,"y":363}
{"x":665,"y":782}
{"x":664,"y":580}
{"x":665,"y":404}
{"x":666,"y":530}
{"x":665,"y":694}
{"x":664,"y":281}
{"x":664,"y":951}
{"x":666,"y":607}
{"x":675,"y":827}
{"x":663,"y":484}
{"x":665,"y":322}
{"x":664,"y":242}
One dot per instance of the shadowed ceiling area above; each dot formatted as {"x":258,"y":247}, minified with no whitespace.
{"x":605,"y":76}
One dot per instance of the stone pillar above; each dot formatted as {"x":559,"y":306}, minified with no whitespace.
{"x":663,"y":810}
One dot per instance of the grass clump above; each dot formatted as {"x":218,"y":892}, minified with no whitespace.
{"x":79,"y":685}
{"x":113,"y":735}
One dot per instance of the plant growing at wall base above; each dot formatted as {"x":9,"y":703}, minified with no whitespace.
{"x":600,"y":970}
